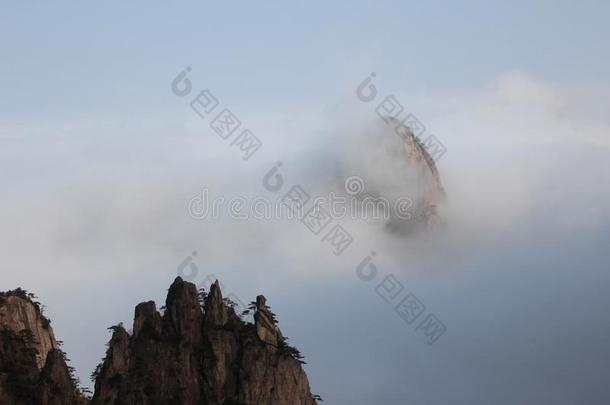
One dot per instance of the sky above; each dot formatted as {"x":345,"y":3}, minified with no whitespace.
{"x":99,"y":160}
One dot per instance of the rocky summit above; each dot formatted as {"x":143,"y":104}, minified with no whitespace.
{"x":195,"y":350}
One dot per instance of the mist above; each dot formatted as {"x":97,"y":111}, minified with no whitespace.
{"x":96,"y":220}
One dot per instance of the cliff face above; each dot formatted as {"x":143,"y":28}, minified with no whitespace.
{"x":191,"y":354}
{"x":33,"y":369}
{"x":194,"y":355}
{"x":18,"y":312}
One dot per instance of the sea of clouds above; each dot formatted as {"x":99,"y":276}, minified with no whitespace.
{"x":95,"y":220}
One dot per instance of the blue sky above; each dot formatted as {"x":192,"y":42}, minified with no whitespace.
{"x":106,"y":59}
{"x":98,"y":158}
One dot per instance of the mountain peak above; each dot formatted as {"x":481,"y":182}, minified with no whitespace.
{"x":215,"y":309}
{"x":188,"y":355}
{"x":194,"y":355}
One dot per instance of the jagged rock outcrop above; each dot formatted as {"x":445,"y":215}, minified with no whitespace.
{"x":194,"y":355}
{"x":33,"y":369}
{"x":266,"y":329}
{"x":189,"y":355}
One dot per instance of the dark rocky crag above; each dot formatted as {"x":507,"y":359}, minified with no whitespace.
{"x":199,"y":351}
{"x":193,"y":354}
{"x":33,"y":368}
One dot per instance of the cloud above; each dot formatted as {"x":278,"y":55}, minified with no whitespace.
{"x":93,"y":204}
{"x":510,"y":146}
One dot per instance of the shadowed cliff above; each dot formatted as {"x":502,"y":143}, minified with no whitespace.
{"x":199,"y":351}
{"x":196,"y":351}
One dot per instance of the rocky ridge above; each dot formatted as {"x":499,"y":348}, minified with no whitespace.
{"x":195,"y":351}
{"x":199,"y":351}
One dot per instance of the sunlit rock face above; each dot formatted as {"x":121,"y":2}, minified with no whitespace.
{"x":18,"y":313}
{"x":33,"y":369}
